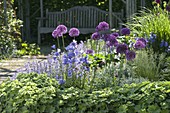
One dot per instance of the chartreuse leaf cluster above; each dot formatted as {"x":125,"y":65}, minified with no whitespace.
{"x":33,"y":93}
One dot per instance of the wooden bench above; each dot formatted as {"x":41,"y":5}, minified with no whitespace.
{"x":85,"y":18}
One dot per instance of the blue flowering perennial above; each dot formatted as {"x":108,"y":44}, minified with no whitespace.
{"x":72,"y":64}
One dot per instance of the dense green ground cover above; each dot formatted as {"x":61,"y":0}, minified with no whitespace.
{"x":38,"y":93}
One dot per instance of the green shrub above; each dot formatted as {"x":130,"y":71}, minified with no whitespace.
{"x":33,"y":93}
{"x":10,"y":36}
{"x":28,"y":49}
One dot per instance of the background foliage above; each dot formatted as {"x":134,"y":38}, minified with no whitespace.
{"x":10,"y":33}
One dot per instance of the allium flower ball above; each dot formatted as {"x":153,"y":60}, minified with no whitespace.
{"x":158,"y":1}
{"x":168,"y":8}
{"x":143,"y":40}
{"x":125,"y":31}
{"x":102,"y":26}
{"x":139,"y":45}
{"x":73,"y":32}
{"x":56,"y":33}
{"x":112,"y":41}
{"x":59,"y":31}
{"x":121,"y":48}
{"x":115,"y":34}
{"x":130,"y":55}
{"x":95,"y":36}
{"x":106,"y":37}
{"x":62,"y":28}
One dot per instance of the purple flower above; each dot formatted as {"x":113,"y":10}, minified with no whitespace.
{"x":56,"y":33}
{"x":125,"y":31}
{"x":130,"y":55}
{"x":84,"y":60}
{"x":143,"y":40}
{"x":62,"y":28}
{"x":95,"y":36}
{"x":61,"y":81}
{"x":56,"y":53}
{"x":152,"y":38}
{"x":121,"y":48}
{"x":115,"y":34}
{"x":102,"y":26}
{"x":158,"y":1}
{"x":73,"y":32}
{"x":139,"y":45}
{"x":69,"y":47}
{"x":53,"y":47}
{"x":65,"y":59}
{"x":112,"y":41}
{"x":168,"y":8}
{"x":70,"y":72}
{"x":89,"y":51}
{"x":106,"y":37}
{"x":163,"y":44}
{"x":71,"y":55}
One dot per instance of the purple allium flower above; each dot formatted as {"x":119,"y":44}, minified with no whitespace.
{"x":130,"y":55}
{"x":56,"y":33}
{"x":139,"y":45}
{"x":62,"y":28}
{"x":112,"y":41}
{"x":163,"y":44}
{"x":53,"y":47}
{"x":95,"y":36}
{"x":115,"y":34}
{"x":168,"y":8}
{"x":125,"y":31}
{"x":73,"y":32}
{"x":121,"y":48}
{"x":89,"y":51}
{"x":158,"y":1}
{"x":143,"y":40}
{"x":102,"y":26}
{"x":106,"y":37}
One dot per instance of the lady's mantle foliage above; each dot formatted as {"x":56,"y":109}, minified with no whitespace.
{"x":38,"y":93}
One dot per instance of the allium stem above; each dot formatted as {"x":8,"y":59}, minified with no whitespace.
{"x":97,"y":46}
{"x":63,"y":43}
{"x":58,"y":43}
